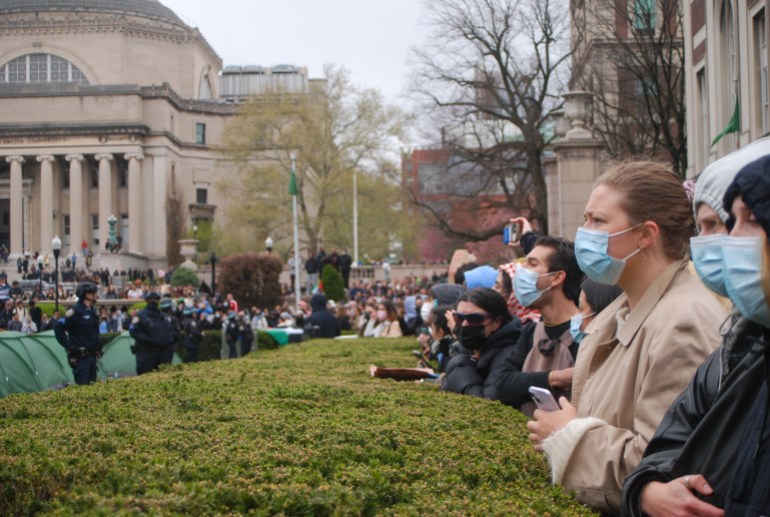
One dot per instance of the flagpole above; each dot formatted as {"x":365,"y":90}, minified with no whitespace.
{"x":297,"y":283}
{"x":355,"y":219}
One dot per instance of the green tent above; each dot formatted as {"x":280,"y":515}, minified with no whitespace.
{"x":118,"y":361}
{"x":37,"y":362}
{"x":31,"y":363}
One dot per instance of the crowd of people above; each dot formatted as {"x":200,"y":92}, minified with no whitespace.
{"x":645,"y":341}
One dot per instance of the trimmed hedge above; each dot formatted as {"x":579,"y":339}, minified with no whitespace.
{"x":302,"y":430}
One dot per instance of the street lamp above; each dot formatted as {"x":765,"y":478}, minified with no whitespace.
{"x":269,"y":244}
{"x":56,"y":247}
{"x":213,"y":260}
{"x":195,"y":236}
{"x":112,"y":233}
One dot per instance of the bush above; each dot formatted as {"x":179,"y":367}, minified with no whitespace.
{"x":184,"y":276}
{"x":302,"y":430}
{"x":334,"y":285}
{"x":209,"y":348}
{"x":252,"y":278}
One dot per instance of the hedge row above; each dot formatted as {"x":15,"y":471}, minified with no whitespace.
{"x":302,"y":430}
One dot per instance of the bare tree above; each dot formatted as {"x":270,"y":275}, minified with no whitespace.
{"x":492,"y":77}
{"x":632,"y":59}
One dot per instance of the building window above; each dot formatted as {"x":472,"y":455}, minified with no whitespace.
{"x":95,"y":230}
{"x":66,"y":230}
{"x":644,"y":15}
{"x":760,"y":83}
{"x":41,"y":68}
{"x":65,"y":176}
{"x":703,"y":112}
{"x":200,"y":133}
{"x":727,"y":75}
{"x":202,"y":196}
{"x":123,"y":173}
{"x":95,"y":175}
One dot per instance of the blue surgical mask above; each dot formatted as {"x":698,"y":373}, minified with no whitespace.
{"x":742,"y":266}
{"x":593,"y":258}
{"x":707,"y":256}
{"x":525,"y":285}
{"x":574,"y":326}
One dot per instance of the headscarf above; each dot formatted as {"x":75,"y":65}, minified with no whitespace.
{"x":514,"y":305}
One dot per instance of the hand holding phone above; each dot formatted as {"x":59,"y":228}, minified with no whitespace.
{"x":543,"y":399}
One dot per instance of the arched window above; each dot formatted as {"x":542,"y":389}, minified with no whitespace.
{"x":206,"y":92}
{"x":41,"y":68}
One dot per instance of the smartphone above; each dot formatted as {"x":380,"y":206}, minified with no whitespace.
{"x":543,"y":399}
{"x":510,"y":233}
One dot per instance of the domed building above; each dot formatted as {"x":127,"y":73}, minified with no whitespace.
{"x":108,"y":110}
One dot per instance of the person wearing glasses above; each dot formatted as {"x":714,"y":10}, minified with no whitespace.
{"x":641,"y":350}
{"x":488,"y":331}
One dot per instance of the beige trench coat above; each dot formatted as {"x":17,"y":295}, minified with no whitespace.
{"x":623,"y":384}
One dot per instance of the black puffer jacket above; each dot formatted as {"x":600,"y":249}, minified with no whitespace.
{"x":480,"y":378}
{"x":703,"y":430}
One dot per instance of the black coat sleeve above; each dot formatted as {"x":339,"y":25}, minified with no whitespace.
{"x":513,"y":384}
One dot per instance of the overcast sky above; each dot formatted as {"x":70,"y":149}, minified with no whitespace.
{"x":370,"y":38}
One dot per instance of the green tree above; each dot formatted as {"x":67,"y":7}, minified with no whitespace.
{"x":335,"y":129}
{"x":334,"y":287}
{"x":184,"y":276}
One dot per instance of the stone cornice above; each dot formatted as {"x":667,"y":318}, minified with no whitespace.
{"x":67,"y":130}
{"x":90,"y":26}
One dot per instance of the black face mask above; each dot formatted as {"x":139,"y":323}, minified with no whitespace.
{"x":472,"y":337}
{"x":152,"y":305}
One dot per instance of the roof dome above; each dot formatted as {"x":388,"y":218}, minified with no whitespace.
{"x":146,"y":8}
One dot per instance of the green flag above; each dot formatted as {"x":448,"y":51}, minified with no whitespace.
{"x":733,"y":126}
{"x":293,"y":184}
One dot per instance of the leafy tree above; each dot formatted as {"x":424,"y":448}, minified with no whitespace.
{"x":491,"y":77}
{"x":184,"y":276}
{"x":252,"y":278}
{"x":335,"y":129}
{"x":334,"y":286}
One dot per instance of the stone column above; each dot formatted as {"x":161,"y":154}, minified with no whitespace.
{"x":76,"y":201}
{"x":46,"y":202}
{"x":17,"y":214}
{"x":105,"y":197}
{"x":134,"y":201}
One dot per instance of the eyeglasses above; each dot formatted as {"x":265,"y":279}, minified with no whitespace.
{"x":473,"y":319}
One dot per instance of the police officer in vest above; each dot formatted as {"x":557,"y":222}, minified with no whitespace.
{"x":155,"y":334}
{"x":78,"y":333}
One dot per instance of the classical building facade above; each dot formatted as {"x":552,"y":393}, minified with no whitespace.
{"x":727,"y":56}
{"x":109,"y":109}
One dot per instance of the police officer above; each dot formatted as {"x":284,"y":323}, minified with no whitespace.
{"x":246,"y":334}
{"x":192,"y":335}
{"x":78,"y":333}
{"x":155,"y":334}
{"x":232,"y":335}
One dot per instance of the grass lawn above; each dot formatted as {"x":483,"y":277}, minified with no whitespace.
{"x":302,"y":430}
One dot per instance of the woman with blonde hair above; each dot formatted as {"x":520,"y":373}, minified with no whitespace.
{"x":644,"y":347}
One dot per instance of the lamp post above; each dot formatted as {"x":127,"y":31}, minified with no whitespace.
{"x":56,"y":247}
{"x":269,"y":245}
{"x":112,"y":233}
{"x":213,"y":260}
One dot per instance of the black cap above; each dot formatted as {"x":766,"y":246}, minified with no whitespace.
{"x":152,"y":296}
{"x":752,"y":183}
{"x":84,"y":288}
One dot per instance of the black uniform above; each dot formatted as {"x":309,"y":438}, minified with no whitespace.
{"x":192,"y":338}
{"x":78,"y":332}
{"x":246,"y":333}
{"x":155,"y":334}
{"x":232,"y":335}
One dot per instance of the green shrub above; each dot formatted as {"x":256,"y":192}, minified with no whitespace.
{"x":334,"y":285}
{"x":252,"y":278}
{"x":184,"y":276}
{"x":302,"y":430}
